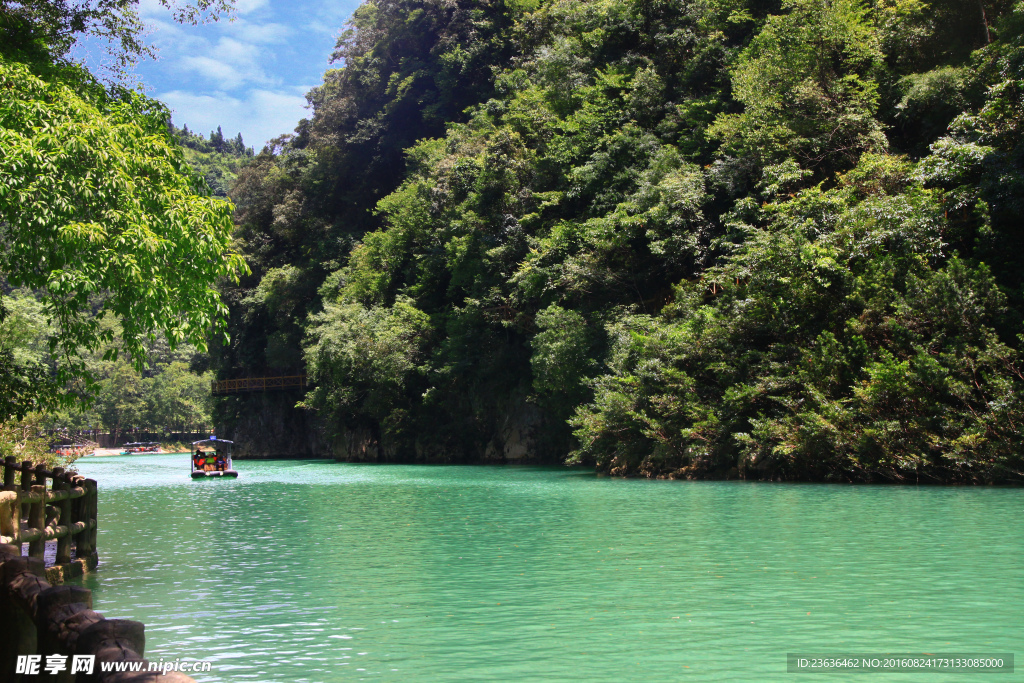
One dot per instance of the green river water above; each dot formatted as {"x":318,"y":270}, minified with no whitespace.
{"x":319,"y":571}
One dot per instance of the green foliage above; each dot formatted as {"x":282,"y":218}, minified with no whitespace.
{"x":22,"y":440}
{"x":834,"y":346}
{"x":217,"y":160}
{"x":24,"y":329}
{"x":363,"y":361}
{"x":101,"y":215}
{"x":178,"y":399}
{"x":724,"y":238}
{"x":166,"y":397}
{"x":809,"y":89}
{"x":120,"y":402}
{"x":561,"y":354}
{"x":171,"y":393}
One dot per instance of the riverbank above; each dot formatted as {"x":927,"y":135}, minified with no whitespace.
{"x":664,"y":468}
{"x":108,"y":452}
{"x":104,"y":452}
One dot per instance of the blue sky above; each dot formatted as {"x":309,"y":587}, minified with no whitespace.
{"x":249,"y":75}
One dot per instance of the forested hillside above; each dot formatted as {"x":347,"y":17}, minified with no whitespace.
{"x":218,"y":159}
{"x":768,"y":239}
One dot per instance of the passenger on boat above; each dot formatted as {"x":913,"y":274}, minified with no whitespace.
{"x":221,"y":462}
{"x":211,"y":462}
{"x":199,"y":459}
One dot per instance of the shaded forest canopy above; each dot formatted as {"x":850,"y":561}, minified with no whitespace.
{"x":772,"y":239}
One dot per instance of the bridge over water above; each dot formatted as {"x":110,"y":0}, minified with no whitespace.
{"x":249,"y":384}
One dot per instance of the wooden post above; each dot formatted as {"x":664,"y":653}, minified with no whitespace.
{"x":61,"y":483}
{"x":37,"y":520}
{"x":37,"y":512}
{"x":78,"y":514}
{"x":9,"y":464}
{"x":26,"y":482}
{"x":91,"y":507}
{"x":83,"y":541}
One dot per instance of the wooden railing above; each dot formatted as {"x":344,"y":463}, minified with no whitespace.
{"x":51,"y":622}
{"x":61,"y":436}
{"x":238,"y":386}
{"x":66,"y":512}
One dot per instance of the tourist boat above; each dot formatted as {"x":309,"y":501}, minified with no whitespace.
{"x":211,"y":458}
{"x":141,"y":447}
{"x":72,"y":449}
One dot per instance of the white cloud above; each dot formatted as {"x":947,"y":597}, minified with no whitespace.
{"x":153,"y":8}
{"x":258,"y":33}
{"x":229,"y":64}
{"x":260,"y":115}
{"x":238,"y":52}
{"x":239,"y":73}
{"x":246,"y":6}
{"x":225,"y":75}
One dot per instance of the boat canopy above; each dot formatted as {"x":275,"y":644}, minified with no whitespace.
{"x":212,"y":442}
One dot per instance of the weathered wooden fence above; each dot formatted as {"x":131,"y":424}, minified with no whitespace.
{"x":34,"y":514}
{"x":57,"y":623}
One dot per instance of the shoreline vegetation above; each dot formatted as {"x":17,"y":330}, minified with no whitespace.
{"x":756,"y":239}
{"x":764,"y":239}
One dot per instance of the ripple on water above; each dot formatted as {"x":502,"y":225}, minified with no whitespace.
{"x":322,"y":572}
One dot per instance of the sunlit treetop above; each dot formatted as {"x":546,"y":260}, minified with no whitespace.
{"x":100,"y":214}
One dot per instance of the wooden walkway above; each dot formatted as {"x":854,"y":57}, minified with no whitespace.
{"x":241,"y":386}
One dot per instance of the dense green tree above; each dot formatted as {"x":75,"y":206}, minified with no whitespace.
{"x":718,"y":238}
{"x":538,"y":200}
{"x":177,"y":399}
{"x":837,"y":342}
{"x":99,"y":214}
{"x":170,"y":393}
{"x":409,"y":67}
{"x":120,"y":401}
{"x":365,"y":363}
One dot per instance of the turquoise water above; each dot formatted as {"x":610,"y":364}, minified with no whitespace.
{"x":318,"y":571}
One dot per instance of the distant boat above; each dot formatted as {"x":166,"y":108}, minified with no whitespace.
{"x":73,"y":449}
{"x":211,"y":458}
{"x":141,"y":447}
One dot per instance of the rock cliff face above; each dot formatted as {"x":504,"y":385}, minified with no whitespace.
{"x":519,"y":437}
{"x":514,"y":431}
{"x":268,"y":426}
